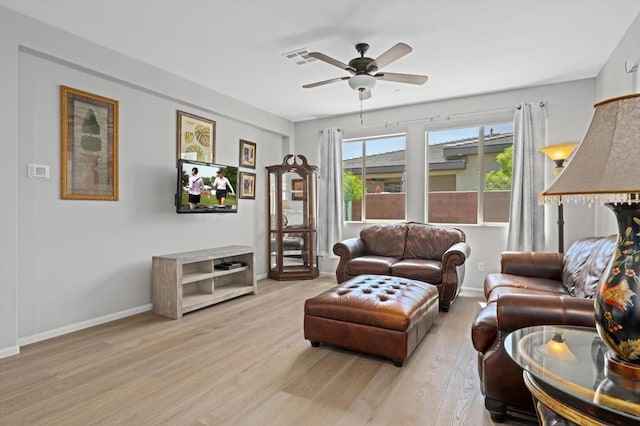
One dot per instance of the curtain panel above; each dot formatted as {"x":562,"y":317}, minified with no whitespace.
{"x":329,"y":191}
{"x":526,"y":218}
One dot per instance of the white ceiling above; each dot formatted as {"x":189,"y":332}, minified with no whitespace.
{"x":465,"y":47}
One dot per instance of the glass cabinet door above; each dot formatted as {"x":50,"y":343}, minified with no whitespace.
{"x":292,"y":220}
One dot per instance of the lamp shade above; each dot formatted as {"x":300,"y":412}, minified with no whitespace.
{"x":560,"y":151}
{"x":604,"y":168}
{"x":557,"y":348}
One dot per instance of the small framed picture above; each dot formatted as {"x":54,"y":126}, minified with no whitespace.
{"x":247,"y":154}
{"x":196,"y":138}
{"x":89,"y":146}
{"x":247,"y":185}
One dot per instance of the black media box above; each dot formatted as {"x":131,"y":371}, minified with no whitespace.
{"x":230,"y":265}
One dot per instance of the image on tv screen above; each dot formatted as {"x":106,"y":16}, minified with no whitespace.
{"x":206,"y":188}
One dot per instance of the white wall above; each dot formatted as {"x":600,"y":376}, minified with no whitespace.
{"x":8,"y":187}
{"x":68,"y":264}
{"x":569,"y":109}
{"x":613,"y":80}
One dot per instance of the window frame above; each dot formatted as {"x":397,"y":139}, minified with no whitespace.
{"x":481,"y":123}
{"x":363,"y":140}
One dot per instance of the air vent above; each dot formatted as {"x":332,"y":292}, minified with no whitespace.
{"x":299,"y":56}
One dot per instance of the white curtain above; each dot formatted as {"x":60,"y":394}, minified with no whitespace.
{"x":329,"y":191}
{"x":526,"y":219}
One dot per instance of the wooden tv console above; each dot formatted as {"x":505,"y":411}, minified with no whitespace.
{"x":184,"y":282}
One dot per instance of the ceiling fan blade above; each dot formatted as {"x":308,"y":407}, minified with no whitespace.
{"x":402,"y":78}
{"x":391,"y":55}
{"x":322,"y":83}
{"x":329,"y":60}
{"x":364,"y":94}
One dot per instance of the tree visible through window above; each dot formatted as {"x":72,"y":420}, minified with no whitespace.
{"x":374,"y":178}
{"x":501,"y":179}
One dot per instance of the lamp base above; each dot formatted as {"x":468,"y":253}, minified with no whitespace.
{"x":620,"y":382}
{"x":613,"y":362}
{"x":617,"y":310}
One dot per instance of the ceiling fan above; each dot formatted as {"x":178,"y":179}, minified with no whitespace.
{"x":364,"y":70}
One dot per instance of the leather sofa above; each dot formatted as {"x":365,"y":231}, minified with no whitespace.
{"x":533,"y":288}
{"x":418,"y":251}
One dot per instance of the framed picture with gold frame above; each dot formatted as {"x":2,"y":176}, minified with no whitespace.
{"x":196,"y":138}
{"x":247,"y":154}
{"x":247,"y":185}
{"x":88,"y":146}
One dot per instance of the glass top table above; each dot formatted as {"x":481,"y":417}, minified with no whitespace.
{"x":568,"y":365}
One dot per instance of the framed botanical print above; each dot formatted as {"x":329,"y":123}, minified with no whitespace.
{"x":88,"y":146}
{"x":247,"y":154}
{"x":247,"y":185}
{"x":196,"y":137}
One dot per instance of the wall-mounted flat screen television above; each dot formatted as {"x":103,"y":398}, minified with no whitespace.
{"x":206,"y":187}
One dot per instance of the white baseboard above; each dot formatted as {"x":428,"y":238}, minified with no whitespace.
{"x":82,"y":325}
{"x":261,"y":277}
{"x":9,"y":351}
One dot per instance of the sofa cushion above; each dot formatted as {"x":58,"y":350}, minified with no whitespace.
{"x":428,"y":271}
{"x":384,"y":240}
{"x":426,"y":241}
{"x":584,"y":264}
{"x":534,"y":292}
{"x":374,"y":265}
{"x":497,"y":280}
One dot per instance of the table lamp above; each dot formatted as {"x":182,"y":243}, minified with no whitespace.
{"x":605,"y":170}
{"x":558,"y":154}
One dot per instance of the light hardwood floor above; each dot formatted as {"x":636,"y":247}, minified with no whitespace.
{"x":242,"y":362}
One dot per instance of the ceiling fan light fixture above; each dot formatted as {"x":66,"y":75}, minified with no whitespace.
{"x":362,"y":82}
{"x":363,"y":70}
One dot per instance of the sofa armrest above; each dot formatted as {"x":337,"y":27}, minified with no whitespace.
{"x":453,"y":272}
{"x":485,"y":328}
{"x":515,"y":311}
{"x":347,"y":250}
{"x":532,"y":264}
{"x":456,"y":255}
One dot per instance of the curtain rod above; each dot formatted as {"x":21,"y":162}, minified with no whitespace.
{"x":438,"y":117}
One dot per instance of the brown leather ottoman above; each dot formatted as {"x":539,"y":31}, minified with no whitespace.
{"x":376,"y":314}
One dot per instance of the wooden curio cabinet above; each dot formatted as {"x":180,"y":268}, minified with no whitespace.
{"x":293,"y":253}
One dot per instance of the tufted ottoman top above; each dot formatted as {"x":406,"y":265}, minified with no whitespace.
{"x":375,"y":300}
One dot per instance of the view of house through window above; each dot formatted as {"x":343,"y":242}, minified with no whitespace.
{"x":373,"y":178}
{"x":470,"y":174}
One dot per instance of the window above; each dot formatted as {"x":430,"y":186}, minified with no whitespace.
{"x":373,"y":172}
{"x":470,"y":174}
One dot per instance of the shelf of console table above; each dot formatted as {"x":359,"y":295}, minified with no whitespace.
{"x":187,"y":281}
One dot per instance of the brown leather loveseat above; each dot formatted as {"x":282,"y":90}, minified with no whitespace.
{"x":533,"y":288}
{"x":429,"y":253}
